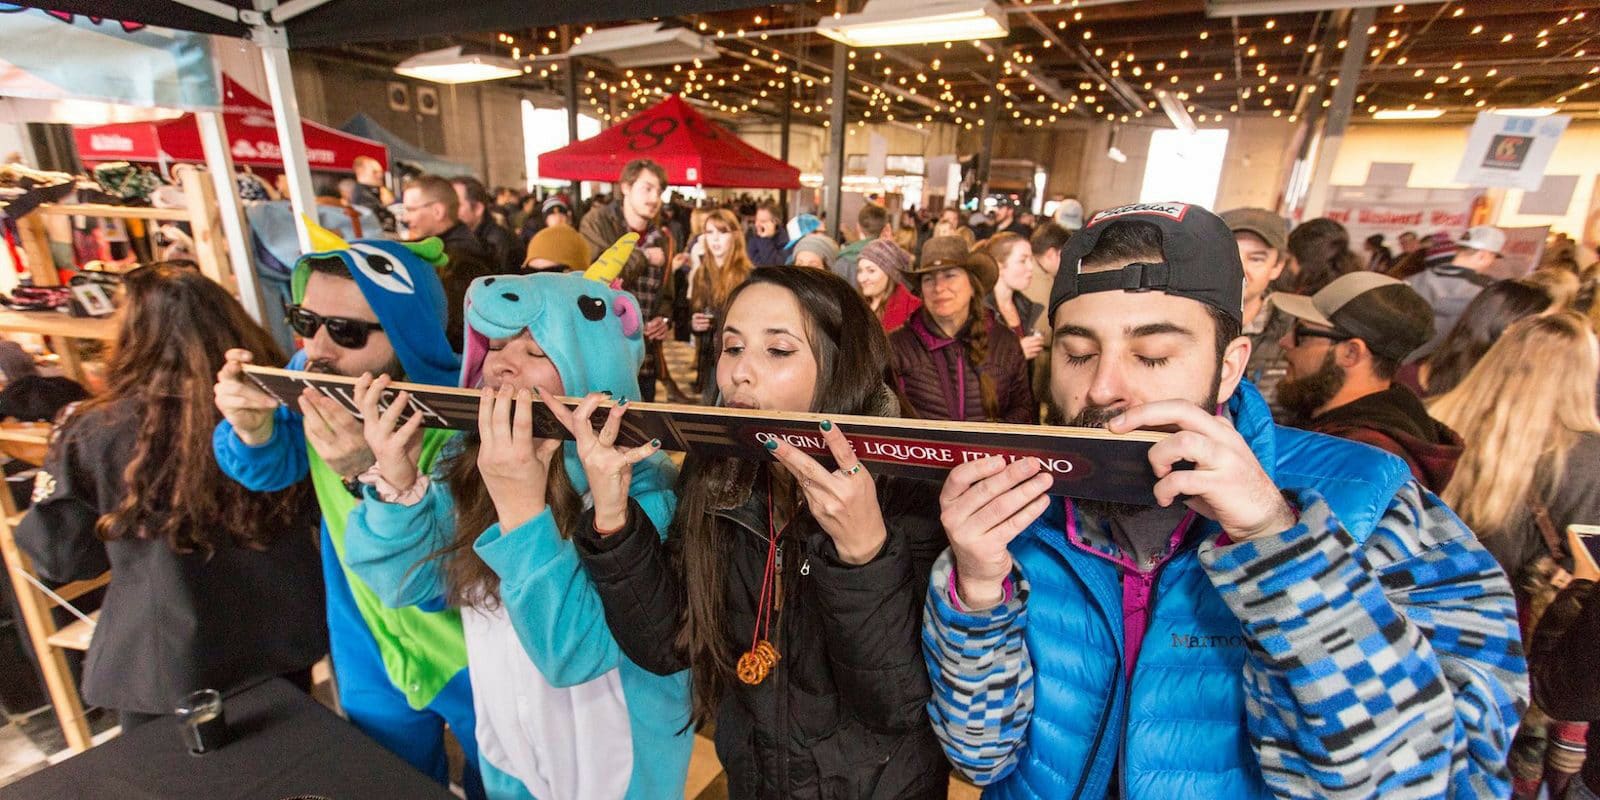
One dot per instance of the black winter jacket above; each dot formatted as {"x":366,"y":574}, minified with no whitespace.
{"x":171,"y":623}
{"x":843,"y":714}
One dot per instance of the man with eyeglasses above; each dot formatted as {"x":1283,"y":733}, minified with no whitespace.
{"x":432,"y":208}
{"x":1343,"y":349}
{"x":376,"y":307}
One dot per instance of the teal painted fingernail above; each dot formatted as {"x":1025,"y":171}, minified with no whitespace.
{"x":655,"y":443}
{"x":622,"y":402}
{"x":770,"y":444}
{"x":826,"y":425}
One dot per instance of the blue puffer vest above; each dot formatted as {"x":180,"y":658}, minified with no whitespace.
{"x":1178,"y":728}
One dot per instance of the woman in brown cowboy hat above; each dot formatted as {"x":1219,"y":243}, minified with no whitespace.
{"x":952,"y":360}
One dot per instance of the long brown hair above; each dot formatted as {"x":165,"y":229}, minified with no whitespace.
{"x":850,"y":380}
{"x":175,"y":326}
{"x":976,"y":336}
{"x":713,"y":282}
{"x":1520,"y":411}
{"x":468,"y":580}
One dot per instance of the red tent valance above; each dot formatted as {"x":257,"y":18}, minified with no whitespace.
{"x":252,"y":138}
{"x":694,"y":150}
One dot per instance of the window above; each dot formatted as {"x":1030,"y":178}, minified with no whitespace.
{"x":545,"y":129}
{"x":1185,"y":167}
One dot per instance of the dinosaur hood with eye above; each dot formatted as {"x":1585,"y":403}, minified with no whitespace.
{"x":400,"y":281}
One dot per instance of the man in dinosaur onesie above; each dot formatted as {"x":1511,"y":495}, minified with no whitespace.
{"x":367,"y":306}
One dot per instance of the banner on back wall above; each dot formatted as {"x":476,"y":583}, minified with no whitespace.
{"x":1393,"y":210}
{"x":1522,"y":253}
{"x":1510,"y":151}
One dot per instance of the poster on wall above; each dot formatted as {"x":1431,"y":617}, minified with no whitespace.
{"x":1391,"y":211}
{"x":1521,"y":255}
{"x":1510,"y":151}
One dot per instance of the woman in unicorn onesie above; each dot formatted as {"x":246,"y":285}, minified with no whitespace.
{"x":562,"y":714}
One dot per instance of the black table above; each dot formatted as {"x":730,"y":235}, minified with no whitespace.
{"x":284,"y":744}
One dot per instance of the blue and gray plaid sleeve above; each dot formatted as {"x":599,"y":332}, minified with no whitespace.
{"x":982,"y":677}
{"x":1392,"y":667}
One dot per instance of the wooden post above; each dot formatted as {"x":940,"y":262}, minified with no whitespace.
{"x":36,"y":245}
{"x":36,"y":618}
{"x":210,"y":245}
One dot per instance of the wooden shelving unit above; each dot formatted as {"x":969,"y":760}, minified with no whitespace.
{"x":65,"y":332}
{"x":201,"y":213}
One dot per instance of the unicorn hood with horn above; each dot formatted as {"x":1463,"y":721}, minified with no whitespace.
{"x":400,"y":281}
{"x":592,"y":331}
{"x":562,"y":714}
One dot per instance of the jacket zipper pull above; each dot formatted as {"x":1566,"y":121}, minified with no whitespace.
{"x":805,"y":567}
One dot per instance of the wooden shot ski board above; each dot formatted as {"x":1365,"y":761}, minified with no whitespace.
{"x":1086,"y":462}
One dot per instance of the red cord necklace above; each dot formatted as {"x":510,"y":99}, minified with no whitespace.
{"x":757,"y":663}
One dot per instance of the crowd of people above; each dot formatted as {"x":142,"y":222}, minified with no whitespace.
{"x":1356,"y":554}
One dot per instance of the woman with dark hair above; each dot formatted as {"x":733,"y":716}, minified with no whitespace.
{"x":1485,"y":318}
{"x":212,"y":585}
{"x":1379,"y":258}
{"x":562,"y":715}
{"x":1319,"y":251}
{"x":953,"y":360}
{"x":793,"y":594}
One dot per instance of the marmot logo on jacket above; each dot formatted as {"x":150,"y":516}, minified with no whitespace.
{"x":1193,"y":640}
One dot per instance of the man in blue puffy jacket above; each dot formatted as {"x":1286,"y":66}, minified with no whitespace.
{"x":1295,"y":618}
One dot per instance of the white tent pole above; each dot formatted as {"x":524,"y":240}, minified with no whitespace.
{"x":286,"y":113}
{"x":219,"y":161}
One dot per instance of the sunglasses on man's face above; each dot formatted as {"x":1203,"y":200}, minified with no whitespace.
{"x":346,"y":332}
{"x":1302,"y":332}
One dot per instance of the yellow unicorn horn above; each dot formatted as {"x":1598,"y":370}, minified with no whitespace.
{"x":323,"y":239}
{"x":608,"y":266}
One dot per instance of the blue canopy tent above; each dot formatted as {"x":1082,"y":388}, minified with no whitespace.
{"x":401,"y":150}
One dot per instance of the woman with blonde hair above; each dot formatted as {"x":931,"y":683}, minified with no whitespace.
{"x":720,"y":263}
{"x":1527,"y":414}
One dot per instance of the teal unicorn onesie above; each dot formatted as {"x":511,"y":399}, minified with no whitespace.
{"x":562,"y":714}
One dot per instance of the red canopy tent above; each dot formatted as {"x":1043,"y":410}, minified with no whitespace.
{"x":252,"y":137}
{"x":694,"y":150}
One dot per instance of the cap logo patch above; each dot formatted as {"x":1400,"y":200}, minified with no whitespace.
{"x":1172,"y":211}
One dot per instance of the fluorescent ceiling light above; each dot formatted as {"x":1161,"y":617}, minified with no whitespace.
{"x":450,"y":65}
{"x":1411,"y":113}
{"x":886,"y":23}
{"x":645,"y":45}
{"x":1542,"y":111}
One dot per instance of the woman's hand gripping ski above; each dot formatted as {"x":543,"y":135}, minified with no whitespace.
{"x":843,"y":501}
{"x":607,"y":465}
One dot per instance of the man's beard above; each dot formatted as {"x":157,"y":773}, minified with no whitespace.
{"x":1097,"y":417}
{"x":1301,"y":397}
{"x":395,"y":370}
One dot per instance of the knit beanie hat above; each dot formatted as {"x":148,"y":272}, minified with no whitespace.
{"x":561,"y":244}
{"x":889,"y":258}
{"x":821,"y":245}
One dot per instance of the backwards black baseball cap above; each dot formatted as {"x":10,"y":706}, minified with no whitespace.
{"x":1200,"y":259}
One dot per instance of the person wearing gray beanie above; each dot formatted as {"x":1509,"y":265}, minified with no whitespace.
{"x":880,"y":277}
{"x":815,"y":250}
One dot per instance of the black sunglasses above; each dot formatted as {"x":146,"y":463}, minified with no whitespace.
{"x":1302,"y":332}
{"x":344,"y":331}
